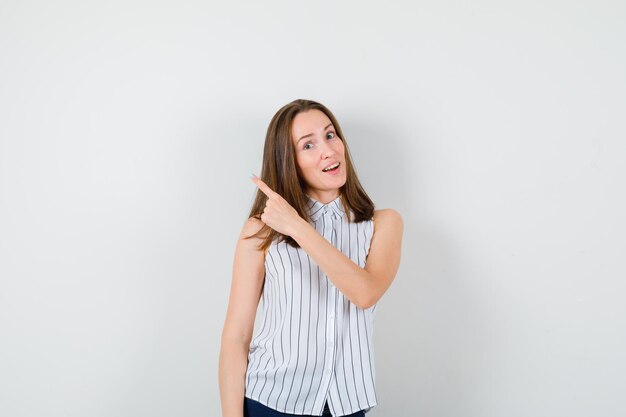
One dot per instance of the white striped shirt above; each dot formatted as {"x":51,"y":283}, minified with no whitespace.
{"x":313,"y":345}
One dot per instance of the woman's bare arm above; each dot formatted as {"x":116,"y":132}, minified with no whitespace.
{"x":363,"y":286}
{"x":245,"y":292}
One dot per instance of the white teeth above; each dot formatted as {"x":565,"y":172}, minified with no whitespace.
{"x":331,"y":167}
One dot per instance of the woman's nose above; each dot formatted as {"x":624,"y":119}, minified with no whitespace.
{"x":328,"y":151}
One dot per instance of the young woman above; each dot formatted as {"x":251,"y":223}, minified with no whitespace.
{"x":321,"y":257}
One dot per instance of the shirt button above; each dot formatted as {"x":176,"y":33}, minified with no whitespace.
{"x":327,"y":371}
{"x":332,"y":316}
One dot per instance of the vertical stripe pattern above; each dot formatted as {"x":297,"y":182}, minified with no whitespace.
{"x":312,"y":344}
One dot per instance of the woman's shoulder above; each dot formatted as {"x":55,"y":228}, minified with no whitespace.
{"x":387,"y":218}
{"x":387,"y":214}
{"x":251,"y":226}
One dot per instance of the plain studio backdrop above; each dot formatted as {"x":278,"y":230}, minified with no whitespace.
{"x":128,"y":130}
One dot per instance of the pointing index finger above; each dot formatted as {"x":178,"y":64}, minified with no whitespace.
{"x":264,"y":187}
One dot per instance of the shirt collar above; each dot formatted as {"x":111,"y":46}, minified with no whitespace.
{"x":317,"y":209}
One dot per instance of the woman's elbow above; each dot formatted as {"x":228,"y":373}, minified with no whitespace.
{"x":366,"y":301}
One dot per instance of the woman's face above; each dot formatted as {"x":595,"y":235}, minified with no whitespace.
{"x":317,"y":146}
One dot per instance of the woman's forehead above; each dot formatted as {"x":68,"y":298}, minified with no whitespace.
{"x":309,"y":122}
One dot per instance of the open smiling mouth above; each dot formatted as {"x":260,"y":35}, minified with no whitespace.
{"x":332,"y":168}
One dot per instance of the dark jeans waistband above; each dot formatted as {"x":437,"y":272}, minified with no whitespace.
{"x":252,"y":408}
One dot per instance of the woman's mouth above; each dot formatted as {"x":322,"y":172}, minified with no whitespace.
{"x":333,"y":169}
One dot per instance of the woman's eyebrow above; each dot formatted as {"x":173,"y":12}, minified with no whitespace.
{"x":311,"y":134}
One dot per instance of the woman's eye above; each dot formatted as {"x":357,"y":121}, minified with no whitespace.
{"x":306,"y":146}
{"x":331,"y":133}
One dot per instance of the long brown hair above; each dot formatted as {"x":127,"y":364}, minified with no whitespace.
{"x":279,"y":172}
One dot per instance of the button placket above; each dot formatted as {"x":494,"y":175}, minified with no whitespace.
{"x":330,"y":308}
{"x":330,"y":333}
{"x":328,"y":224}
{"x":329,"y":221}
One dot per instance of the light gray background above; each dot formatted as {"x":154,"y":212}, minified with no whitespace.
{"x":128,"y":130}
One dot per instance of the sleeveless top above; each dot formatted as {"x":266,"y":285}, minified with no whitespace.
{"x":312,"y":344}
